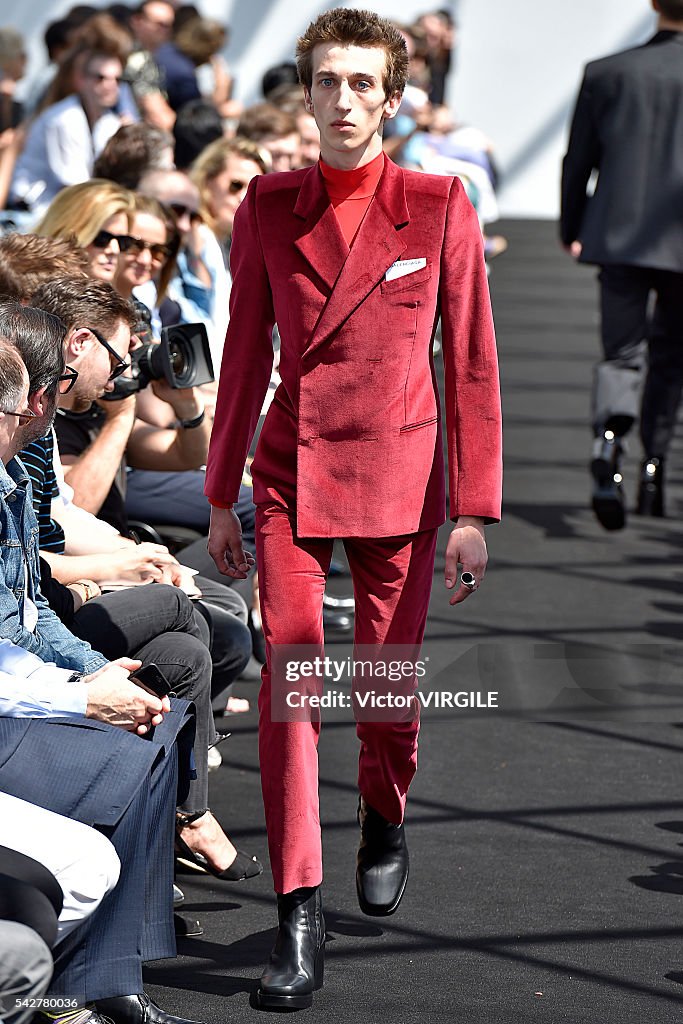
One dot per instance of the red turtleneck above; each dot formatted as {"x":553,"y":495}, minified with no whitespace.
{"x":351,"y":193}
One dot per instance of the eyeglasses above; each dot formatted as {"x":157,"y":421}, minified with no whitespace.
{"x":104,"y":238}
{"x":67,"y":380}
{"x":135,"y":246}
{"x":236,"y":186}
{"x":121,"y":364}
{"x":181,"y":210}
{"x":24,"y":417}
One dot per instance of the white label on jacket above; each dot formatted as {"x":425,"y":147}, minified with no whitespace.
{"x":403,"y":267}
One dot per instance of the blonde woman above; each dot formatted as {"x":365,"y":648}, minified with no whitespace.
{"x":222,"y":173}
{"x":97,"y":215}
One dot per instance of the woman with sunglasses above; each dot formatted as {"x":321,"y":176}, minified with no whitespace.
{"x":148,"y":257}
{"x":96,"y":215}
{"x":222,"y":173}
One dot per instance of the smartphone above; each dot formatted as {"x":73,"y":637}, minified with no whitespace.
{"x":154,"y":679}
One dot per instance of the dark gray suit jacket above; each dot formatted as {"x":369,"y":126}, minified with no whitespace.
{"x":628,"y":125}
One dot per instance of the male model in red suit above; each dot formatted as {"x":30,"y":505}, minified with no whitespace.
{"x":355,"y":259}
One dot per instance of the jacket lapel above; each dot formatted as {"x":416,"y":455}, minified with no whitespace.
{"x":322,"y":243}
{"x":378,"y":244}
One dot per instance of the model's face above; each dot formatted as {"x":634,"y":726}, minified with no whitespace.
{"x":348,"y":102}
{"x":104,"y":259}
{"x":145,"y":258}
{"x":95,"y":364}
{"x":225,"y":192}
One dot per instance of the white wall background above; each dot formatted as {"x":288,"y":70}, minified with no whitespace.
{"x":518,"y":66}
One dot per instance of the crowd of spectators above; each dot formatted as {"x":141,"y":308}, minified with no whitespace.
{"x":121,"y":171}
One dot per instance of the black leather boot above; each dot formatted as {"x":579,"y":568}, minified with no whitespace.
{"x":651,"y":488}
{"x":608,"y":496}
{"x":296,"y":965}
{"x":382,"y":864}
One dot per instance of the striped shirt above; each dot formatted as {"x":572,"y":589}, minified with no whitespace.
{"x":37,"y":458}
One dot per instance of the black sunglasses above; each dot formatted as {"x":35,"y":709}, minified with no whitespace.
{"x":67,"y":380}
{"x":236,"y":186}
{"x":121,"y":364}
{"x":104,"y":238}
{"x":135,"y":246}
{"x":181,"y":210}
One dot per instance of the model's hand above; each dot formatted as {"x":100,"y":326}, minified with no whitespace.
{"x":467,"y":547}
{"x":225,"y":544}
{"x":114,"y":698}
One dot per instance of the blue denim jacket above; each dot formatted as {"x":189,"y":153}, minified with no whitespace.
{"x":51,"y":640}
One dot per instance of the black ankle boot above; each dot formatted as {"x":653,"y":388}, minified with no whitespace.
{"x":382,"y":863}
{"x":651,"y":488}
{"x":296,"y":965}
{"x":608,"y":496}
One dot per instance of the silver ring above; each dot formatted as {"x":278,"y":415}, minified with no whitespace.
{"x":468,"y":580}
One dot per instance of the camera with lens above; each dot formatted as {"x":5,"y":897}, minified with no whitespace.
{"x":182,"y":358}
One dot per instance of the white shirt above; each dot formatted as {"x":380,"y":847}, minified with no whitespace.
{"x":31,"y":688}
{"x":60,"y":150}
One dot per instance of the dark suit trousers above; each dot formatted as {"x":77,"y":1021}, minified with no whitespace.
{"x":636,"y":335}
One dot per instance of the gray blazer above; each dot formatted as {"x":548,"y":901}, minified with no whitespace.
{"x":628,"y":126}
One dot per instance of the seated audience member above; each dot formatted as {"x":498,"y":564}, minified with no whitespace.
{"x":276,"y":77}
{"x":65,"y":138}
{"x":197,"y":125}
{"x":94,"y":215}
{"x":70,"y":770}
{"x":132,"y":151}
{"x":83,"y":861}
{"x":193,"y":45}
{"x":274,"y":130}
{"x":147,"y":265}
{"x":26,"y":260}
{"x":95,"y":770}
{"x":151,"y":24}
{"x":200,"y":286}
{"x":222,"y":174}
{"x":132,"y":622}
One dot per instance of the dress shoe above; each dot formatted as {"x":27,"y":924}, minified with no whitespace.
{"x":382,"y":865}
{"x":608,"y":496}
{"x":296,"y":965}
{"x":651,"y":488}
{"x":336,"y":622}
{"x":137,"y":1009}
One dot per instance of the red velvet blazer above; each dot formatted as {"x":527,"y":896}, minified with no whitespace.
{"x":353,"y":436}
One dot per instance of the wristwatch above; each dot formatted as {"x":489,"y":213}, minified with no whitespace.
{"x":195,"y":422}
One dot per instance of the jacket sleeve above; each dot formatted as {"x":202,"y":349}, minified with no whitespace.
{"x":581,"y":159}
{"x":473,"y":413}
{"x":247,"y":358}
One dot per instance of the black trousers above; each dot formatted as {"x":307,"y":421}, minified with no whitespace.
{"x":157,"y":623}
{"x":640,"y":338}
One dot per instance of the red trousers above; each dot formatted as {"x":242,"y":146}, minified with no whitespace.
{"x":392,"y":579}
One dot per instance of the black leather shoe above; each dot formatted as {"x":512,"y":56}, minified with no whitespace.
{"x":382,"y":864}
{"x":608,"y":496}
{"x":296,"y":966}
{"x":137,"y":1009}
{"x":651,"y":488}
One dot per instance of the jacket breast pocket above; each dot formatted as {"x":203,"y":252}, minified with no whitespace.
{"x":407,"y":282}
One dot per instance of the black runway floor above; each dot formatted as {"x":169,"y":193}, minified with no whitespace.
{"x":546,"y":841}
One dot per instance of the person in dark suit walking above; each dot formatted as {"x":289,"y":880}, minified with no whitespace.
{"x":628,"y":127}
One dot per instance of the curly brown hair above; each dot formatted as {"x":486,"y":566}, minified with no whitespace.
{"x":352,"y":27}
